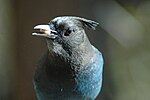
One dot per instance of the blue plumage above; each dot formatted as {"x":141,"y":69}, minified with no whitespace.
{"x":90,"y":79}
{"x":72,"y":68}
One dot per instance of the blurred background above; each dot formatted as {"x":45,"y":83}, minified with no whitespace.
{"x":123,"y":37}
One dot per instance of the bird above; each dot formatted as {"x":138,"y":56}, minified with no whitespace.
{"x":71,"y":68}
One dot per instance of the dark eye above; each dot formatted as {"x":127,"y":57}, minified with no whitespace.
{"x":68,"y":32}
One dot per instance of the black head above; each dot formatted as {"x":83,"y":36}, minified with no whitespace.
{"x":67,"y":30}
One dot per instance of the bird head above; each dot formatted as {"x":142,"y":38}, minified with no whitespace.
{"x":66,"y":31}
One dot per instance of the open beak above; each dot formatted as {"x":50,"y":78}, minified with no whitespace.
{"x":44,"y":31}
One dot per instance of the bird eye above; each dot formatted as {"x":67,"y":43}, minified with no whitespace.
{"x":68,"y":32}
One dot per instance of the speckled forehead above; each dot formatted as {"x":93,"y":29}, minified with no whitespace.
{"x":65,"y":21}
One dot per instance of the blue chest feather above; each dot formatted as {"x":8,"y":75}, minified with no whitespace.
{"x":57,"y":85}
{"x":89,"y":80}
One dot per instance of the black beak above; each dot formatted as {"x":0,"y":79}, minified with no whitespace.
{"x":44,"y":31}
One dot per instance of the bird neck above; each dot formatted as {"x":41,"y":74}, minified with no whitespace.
{"x":79,"y":53}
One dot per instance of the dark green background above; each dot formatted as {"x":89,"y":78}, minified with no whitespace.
{"x":123,"y":37}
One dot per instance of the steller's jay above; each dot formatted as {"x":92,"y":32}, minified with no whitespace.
{"x":72,"y":68}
